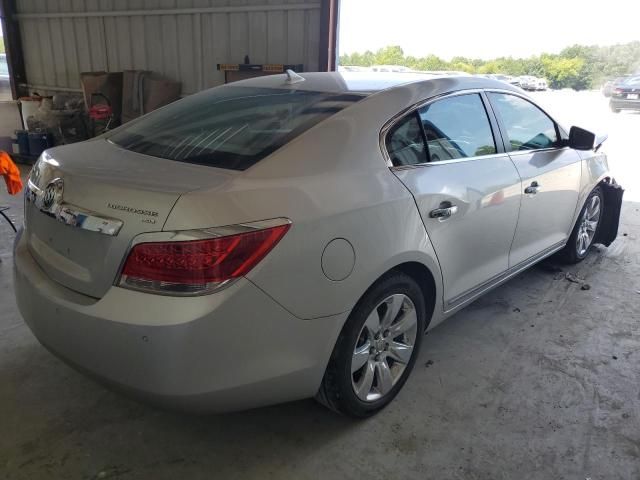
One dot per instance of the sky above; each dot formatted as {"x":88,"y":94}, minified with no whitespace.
{"x":485,"y":28}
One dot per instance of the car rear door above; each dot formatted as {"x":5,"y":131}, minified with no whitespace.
{"x":550,"y":174}
{"x":465,"y":186}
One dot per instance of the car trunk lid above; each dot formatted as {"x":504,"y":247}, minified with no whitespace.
{"x":86,"y":203}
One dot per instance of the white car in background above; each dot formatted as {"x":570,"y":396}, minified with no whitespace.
{"x":515,"y":81}
{"x":528,"y":82}
{"x":390,"y":68}
{"x":541,"y":84}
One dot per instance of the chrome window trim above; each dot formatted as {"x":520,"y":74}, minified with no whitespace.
{"x":397,"y":168}
{"x":517,"y":153}
{"x":399,"y":116}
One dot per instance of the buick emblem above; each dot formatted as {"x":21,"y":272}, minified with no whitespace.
{"x":52,"y":194}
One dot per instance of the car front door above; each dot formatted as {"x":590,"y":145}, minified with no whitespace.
{"x":465,"y":186}
{"x":550,"y":174}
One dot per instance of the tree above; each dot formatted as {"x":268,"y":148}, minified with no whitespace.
{"x":564,"y":72}
{"x":431,"y":63}
{"x":392,"y":55}
{"x":577,"y":66}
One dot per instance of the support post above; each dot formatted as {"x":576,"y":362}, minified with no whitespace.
{"x":13,"y":46}
{"x":329,"y":13}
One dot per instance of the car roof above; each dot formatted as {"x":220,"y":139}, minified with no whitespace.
{"x":367,"y":83}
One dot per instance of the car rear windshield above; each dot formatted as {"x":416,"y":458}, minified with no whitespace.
{"x":230,"y":127}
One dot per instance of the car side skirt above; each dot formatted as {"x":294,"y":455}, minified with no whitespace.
{"x":467,"y":297}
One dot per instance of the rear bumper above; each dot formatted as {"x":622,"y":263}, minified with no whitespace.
{"x":624,"y":104}
{"x":232,"y":350}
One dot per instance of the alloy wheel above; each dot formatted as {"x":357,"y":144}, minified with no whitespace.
{"x":588,"y":225}
{"x":384,"y":347}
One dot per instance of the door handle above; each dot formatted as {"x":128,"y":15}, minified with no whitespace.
{"x":444,"y":212}
{"x":533,"y":188}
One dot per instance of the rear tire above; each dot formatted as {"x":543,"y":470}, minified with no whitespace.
{"x":371,"y":360}
{"x":614,"y":109}
{"x":586,"y":227}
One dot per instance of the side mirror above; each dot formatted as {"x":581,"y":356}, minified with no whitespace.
{"x":581,"y":139}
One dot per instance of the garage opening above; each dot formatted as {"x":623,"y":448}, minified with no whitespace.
{"x":5,"y":80}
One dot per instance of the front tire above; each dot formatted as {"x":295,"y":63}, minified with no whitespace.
{"x":376,"y":349}
{"x":585,"y":229}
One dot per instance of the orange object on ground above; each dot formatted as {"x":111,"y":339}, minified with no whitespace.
{"x":10,"y":173}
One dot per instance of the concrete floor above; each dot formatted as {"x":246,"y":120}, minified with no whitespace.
{"x":538,"y":380}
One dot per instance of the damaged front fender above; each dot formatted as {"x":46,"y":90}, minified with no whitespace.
{"x":608,"y":229}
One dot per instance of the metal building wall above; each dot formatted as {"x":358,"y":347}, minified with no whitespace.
{"x":182,"y":39}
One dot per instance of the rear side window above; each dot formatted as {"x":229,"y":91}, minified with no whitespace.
{"x":528,"y":127}
{"x":230,"y":127}
{"x":405,"y":143}
{"x":457,"y":127}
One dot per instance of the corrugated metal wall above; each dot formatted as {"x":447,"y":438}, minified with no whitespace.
{"x":182,"y":39}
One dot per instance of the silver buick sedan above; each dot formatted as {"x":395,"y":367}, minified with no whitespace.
{"x":296,"y":235}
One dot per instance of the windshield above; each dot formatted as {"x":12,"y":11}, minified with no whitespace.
{"x":230,"y":127}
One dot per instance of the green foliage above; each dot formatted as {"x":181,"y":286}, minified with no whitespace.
{"x":578,"y":66}
{"x":1,"y":44}
{"x":563,"y":72}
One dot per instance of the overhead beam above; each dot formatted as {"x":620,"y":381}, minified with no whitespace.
{"x":170,"y":11}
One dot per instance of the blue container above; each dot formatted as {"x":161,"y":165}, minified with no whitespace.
{"x":39,"y":142}
{"x":22,"y":141}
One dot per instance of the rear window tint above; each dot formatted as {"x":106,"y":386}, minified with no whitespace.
{"x":230,"y":127}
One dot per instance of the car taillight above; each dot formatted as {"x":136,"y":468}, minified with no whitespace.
{"x":197,"y":267}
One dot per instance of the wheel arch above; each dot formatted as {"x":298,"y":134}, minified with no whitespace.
{"x":426,"y":281}
{"x":422,"y":275}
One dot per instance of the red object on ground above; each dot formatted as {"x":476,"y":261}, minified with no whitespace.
{"x":10,"y":173}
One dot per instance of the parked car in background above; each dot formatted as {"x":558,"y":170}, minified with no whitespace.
{"x":610,"y":85}
{"x":515,"y":81}
{"x":626,"y":95}
{"x":541,"y":84}
{"x":293,"y":236}
{"x":529,"y":83}
{"x":499,"y":76}
{"x":451,"y":73}
{"x":352,"y":68}
{"x":390,"y":68}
